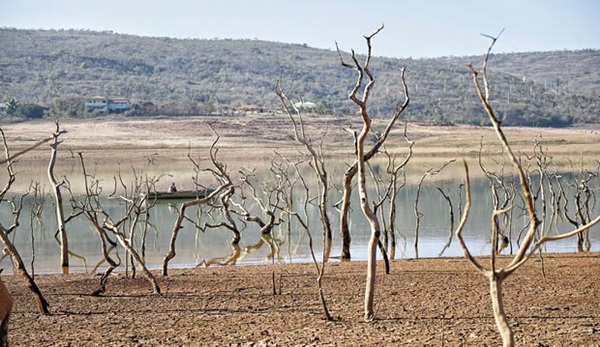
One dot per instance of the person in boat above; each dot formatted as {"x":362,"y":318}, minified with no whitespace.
{"x":172,"y":188}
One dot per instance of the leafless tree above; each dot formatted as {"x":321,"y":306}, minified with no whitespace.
{"x":582,"y":202}
{"x":393,"y":172}
{"x":304,"y":222}
{"x":268,"y":201}
{"x":18,"y":264}
{"x":503,"y":194}
{"x":6,"y":304}
{"x":220,"y":173}
{"x":137,"y":206}
{"x":104,"y":224}
{"x":353,"y":169}
{"x":317,"y":161}
{"x":418,"y":215}
{"x":451,"y":217}
{"x":496,"y":275}
{"x":365,"y":204}
{"x":60,"y":214}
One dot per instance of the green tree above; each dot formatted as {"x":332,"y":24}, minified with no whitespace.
{"x":12,"y":105}
{"x":69,"y":107}
{"x":29,"y":111}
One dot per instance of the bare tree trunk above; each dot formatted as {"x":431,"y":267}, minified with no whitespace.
{"x":392,"y":217}
{"x":324,"y":216}
{"x":124,"y":242}
{"x":395,"y":189}
{"x":496,"y":280}
{"x":317,"y":163}
{"x":451,"y":213}
{"x":60,"y":216}
{"x":305,"y":224}
{"x":353,"y":169}
{"x":8,"y":245}
{"x":418,"y":214}
{"x":105,"y":253}
{"x":22,"y":272}
{"x":371,"y":217}
{"x":345,"y":212}
{"x":6,"y":304}
{"x":171,"y":252}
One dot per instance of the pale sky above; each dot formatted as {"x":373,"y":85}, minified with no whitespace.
{"x":413,"y":28}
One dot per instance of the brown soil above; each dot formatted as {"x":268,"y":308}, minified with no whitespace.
{"x":425,"y":302}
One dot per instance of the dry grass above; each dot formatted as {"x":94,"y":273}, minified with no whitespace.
{"x":162,"y":146}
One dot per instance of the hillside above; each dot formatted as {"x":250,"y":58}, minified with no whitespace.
{"x":170,"y":77}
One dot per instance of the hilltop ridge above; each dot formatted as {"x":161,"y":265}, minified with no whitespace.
{"x":58,"y":69}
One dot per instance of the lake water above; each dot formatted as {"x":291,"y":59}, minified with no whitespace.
{"x":35,"y":236}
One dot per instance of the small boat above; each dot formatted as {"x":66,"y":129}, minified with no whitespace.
{"x":180,"y":194}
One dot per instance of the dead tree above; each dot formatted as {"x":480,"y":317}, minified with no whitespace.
{"x":353,"y":169}
{"x":382,"y":195}
{"x":496,"y":275}
{"x":60,"y":214}
{"x":225,"y":208}
{"x":115,"y":228}
{"x":88,"y":208}
{"x":137,"y":211}
{"x":220,"y":172}
{"x":281,"y":169}
{"x":18,"y":264}
{"x":305,"y":222}
{"x":6,"y":304}
{"x":418,"y":214}
{"x":451,"y":216}
{"x":393,"y":172}
{"x":582,"y":201}
{"x":75,"y":212}
{"x":498,"y":187}
{"x":317,"y":162}
{"x":103,"y":223}
{"x":365,"y":205}
{"x":268,"y":204}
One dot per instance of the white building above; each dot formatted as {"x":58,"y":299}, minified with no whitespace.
{"x":102,"y":104}
{"x":118,"y":105}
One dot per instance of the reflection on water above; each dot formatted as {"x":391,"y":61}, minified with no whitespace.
{"x":286,"y":244}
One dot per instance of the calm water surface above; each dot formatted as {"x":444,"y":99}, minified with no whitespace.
{"x":35,"y":236}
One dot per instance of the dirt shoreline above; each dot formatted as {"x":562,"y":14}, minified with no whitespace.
{"x":424,"y":302}
{"x":163,"y":146}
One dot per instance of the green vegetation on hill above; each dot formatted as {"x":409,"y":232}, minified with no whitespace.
{"x":58,"y":69}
